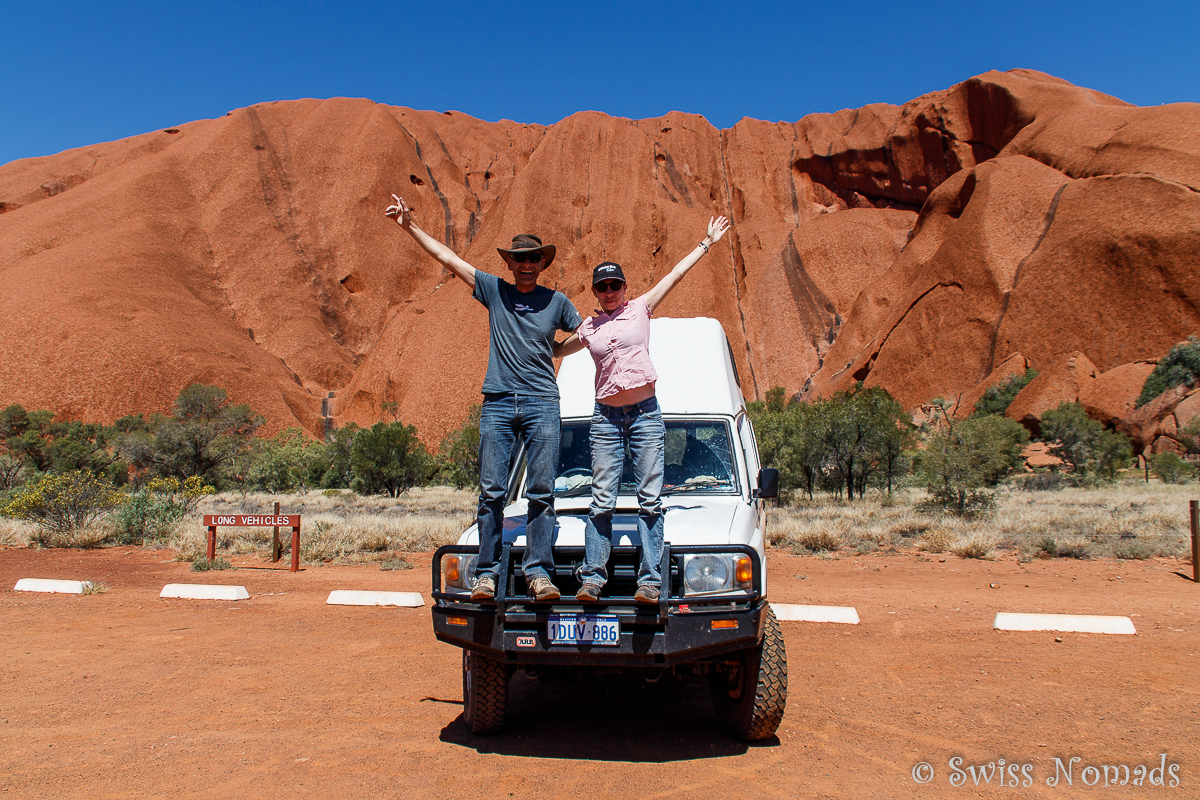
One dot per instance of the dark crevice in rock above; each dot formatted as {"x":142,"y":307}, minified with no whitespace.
{"x":818,"y":315}
{"x":736,"y":258}
{"x":449,"y":240}
{"x":1006,"y":299}
{"x":277,"y":181}
{"x":883,"y":342}
{"x":681,"y":188}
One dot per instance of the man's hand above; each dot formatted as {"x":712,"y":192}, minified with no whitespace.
{"x":401,"y":212}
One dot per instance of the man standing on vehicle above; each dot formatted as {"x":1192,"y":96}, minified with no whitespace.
{"x":520,"y":398}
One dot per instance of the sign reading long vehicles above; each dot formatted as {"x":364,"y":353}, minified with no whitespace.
{"x":252,"y":520}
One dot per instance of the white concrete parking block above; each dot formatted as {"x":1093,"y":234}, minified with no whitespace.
{"x":1065,"y":623}
{"x":787,"y":612}
{"x":349,"y":597}
{"x":47,"y":585}
{"x":204,"y":591}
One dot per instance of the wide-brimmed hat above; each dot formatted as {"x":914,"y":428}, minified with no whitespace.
{"x":528,"y":243}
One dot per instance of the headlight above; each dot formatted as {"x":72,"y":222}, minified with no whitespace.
{"x":457,"y":569}
{"x":710,"y":574}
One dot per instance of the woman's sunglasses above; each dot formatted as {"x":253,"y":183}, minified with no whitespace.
{"x":609,"y":286}
{"x":526,"y":258}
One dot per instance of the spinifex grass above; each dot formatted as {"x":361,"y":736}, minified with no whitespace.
{"x":1129,"y":519}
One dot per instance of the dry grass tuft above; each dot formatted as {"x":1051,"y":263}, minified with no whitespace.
{"x":95,"y":587}
{"x":817,"y":541}
{"x":976,"y":545}
{"x":938,"y":540}
{"x":16,"y":532}
{"x":90,"y":536}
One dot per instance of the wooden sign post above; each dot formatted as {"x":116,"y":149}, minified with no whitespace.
{"x":211,"y":521}
{"x":1194,"y":508}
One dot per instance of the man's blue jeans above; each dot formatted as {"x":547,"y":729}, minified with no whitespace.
{"x":640,"y":428}
{"x":506,"y":419}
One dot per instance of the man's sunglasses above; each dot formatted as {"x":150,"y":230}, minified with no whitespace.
{"x":526,"y":258}
{"x":609,"y":286}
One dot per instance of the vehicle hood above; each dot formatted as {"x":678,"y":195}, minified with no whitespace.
{"x":690,"y":519}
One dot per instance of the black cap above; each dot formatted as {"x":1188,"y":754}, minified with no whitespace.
{"x":608,"y":271}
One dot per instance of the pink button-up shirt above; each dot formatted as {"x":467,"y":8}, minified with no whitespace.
{"x":619,"y":345}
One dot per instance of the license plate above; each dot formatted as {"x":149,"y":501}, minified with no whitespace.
{"x":584,"y":629}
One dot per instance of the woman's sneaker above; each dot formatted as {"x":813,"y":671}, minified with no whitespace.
{"x":540,"y":588}
{"x":646,"y":594}
{"x":588,"y":593}
{"x":484,"y":588}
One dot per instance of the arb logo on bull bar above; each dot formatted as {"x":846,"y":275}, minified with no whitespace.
{"x":526,"y":641}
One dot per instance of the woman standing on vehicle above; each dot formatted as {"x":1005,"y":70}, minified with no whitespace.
{"x":626,"y":413}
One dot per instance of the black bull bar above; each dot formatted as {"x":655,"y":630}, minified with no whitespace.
{"x":514,"y":627}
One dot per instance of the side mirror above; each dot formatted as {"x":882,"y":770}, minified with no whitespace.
{"x":768,"y":483}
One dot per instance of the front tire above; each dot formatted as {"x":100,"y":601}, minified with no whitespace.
{"x":485,"y":692}
{"x":750,"y":693}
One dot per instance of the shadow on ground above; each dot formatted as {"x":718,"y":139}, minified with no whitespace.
{"x":607,"y":718}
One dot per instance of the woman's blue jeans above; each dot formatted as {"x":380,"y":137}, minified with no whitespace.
{"x":640,"y":429}
{"x":505,"y":419}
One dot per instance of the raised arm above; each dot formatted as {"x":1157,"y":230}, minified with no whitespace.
{"x":443,"y":254}
{"x":716,"y":229}
{"x":571,"y":344}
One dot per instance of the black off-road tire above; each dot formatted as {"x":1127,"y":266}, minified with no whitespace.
{"x":750,"y":702}
{"x":485,"y":692}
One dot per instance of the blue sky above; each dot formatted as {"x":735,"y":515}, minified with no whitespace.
{"x":74,"y":73}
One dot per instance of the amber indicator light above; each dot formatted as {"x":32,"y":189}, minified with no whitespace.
{"x":456,"y":620}
{"x":724,"y":623}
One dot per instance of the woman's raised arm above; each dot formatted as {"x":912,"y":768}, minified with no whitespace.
{"x":443,"y":254}
{"x":716,"y":229}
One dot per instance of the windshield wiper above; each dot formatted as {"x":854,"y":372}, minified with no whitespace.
{"x":682,"y":488}
{"x":577,"y":491}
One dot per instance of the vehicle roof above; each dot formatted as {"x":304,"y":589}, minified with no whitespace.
{"x":696,"y":373}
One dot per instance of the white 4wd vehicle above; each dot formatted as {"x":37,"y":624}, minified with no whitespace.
{"x":712,"y":618}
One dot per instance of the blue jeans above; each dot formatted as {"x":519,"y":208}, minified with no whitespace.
{"x":640,"y":429}
{"x":505,"y":419}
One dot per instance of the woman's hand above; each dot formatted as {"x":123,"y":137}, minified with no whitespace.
{"x":403,"y":214}
{"x":716,"y":228}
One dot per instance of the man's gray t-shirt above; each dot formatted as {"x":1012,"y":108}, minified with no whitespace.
{"x":522,"y":335}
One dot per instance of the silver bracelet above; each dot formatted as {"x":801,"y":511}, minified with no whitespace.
{"x":702,"y":244}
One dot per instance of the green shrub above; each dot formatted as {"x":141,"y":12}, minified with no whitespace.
{"x":458,"y":456}
{"x":965,"y":457}
{"x":1040,"y":482}
{"x":1178,"y":367}
{"x":1132,"y":550}
{"x":1047,"y":548}
{"x":64,"y":502}
{"x":996,"y":399}
{"x":1170,"y":468}
{"x":151,"y":512}
{"x":1084,"y":443}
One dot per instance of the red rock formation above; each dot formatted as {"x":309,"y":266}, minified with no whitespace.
{"x":1012,"y":367}
{"x":251,"y":251}
{"x":1061,"y":382}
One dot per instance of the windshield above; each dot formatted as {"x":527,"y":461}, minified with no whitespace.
{"x":698,"y":460}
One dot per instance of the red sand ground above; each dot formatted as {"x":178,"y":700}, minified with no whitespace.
{"x":125,"y":694}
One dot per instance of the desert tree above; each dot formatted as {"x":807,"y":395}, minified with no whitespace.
{"x":388,"y":458}
{"x":202,"y":437}
{"x":964,"y":458}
